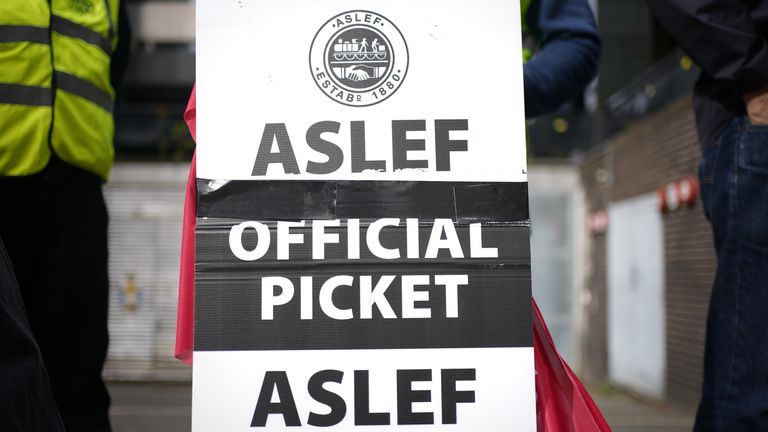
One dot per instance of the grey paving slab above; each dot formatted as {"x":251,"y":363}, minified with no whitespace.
{"x":627,"y":414}
{"x":143,"y":407}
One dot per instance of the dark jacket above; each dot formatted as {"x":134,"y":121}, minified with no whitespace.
{"x":728,"y":40}
{"x":567,"y":55}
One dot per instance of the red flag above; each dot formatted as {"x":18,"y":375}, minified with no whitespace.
{"x":186,"y":308}
{"x":562,"y":402}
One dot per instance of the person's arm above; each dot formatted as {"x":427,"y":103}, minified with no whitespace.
{"x":569,"y":54}
{"x":720,"y":37}
{"x":120,"y":56}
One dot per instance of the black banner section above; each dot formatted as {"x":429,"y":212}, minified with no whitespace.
{"x":300,"y":200}
{"x":473,"y":292}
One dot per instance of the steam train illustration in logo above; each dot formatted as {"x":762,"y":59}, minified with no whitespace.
{"x":360,"y":58}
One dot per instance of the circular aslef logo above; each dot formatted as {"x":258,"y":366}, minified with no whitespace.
{"x":358,"y":58}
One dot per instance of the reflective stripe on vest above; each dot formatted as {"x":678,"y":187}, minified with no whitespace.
{"x":56,"y":56}
{"x":16,"y":94}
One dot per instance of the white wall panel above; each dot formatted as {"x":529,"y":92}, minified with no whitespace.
{"x":636,"y":316}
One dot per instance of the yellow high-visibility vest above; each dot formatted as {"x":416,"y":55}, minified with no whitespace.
{"x":524,"y":5}
{"x":55,"y":89}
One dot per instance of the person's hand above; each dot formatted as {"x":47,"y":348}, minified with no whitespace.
{"x":757,"y":106}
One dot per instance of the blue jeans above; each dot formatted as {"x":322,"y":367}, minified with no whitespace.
{"x":734,"y":190}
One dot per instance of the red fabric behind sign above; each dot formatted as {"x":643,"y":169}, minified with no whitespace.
{"x":562,"y":402}
{"x":186,"y":309}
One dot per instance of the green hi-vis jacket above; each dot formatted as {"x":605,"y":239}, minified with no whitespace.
{"x":55,"y":89}
{"x":524,"y":5}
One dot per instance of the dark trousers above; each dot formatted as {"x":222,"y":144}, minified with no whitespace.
{"x":54,"y":226}
{"x":734,"y":187}
{"x":26,"y":401}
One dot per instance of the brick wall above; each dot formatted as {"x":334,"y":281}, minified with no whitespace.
{"x":654,"y":151}
{"x":595,"y":362}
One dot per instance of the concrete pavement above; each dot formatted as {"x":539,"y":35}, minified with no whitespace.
{"x":627,"y":414}
{"x":145,"y":407}
{"x":149,"y":407}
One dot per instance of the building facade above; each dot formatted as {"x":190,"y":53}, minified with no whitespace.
{"x":650,"y":269}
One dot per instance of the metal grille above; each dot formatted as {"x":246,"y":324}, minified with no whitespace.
{"x":145,"y":204}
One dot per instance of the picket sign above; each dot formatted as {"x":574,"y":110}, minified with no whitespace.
{"x":362,"y":244}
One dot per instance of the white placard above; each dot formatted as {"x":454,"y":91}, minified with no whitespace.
{"x":227,"y":385}
{"x":463,"y":62}
{"x":382,"y":90}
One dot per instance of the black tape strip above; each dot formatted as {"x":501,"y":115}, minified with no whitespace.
{"x":494,"y":311}
{"x":305,"y":200}
{"x":494,"y":308}
{"x":214,"y":257}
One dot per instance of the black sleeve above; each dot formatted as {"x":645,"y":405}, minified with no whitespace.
{"x":121,"y":54}
{"x":720,"y":37}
